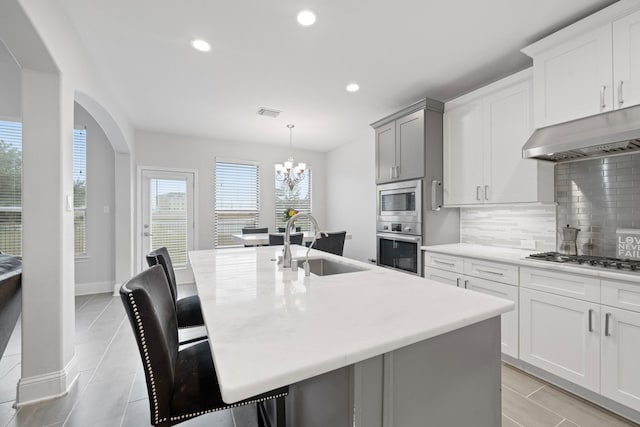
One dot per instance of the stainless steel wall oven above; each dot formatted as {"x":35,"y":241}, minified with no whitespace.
{"x":399,"y":226}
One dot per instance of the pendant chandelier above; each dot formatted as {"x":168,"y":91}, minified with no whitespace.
{"x":287,"y":173}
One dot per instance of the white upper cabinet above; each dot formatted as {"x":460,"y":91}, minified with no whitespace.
{"x":626,"y":60}
{"x":590,"y":67}
{"x":484,"y":132}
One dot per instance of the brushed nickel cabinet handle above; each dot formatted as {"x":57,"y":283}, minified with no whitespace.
{"x":590,"y":320}
{"x":391,"y":172}
{"x":607,"y":323}
{"x":620,"y":100}
{"x":478,"y":193}
{"x":486,"y":192}
{"x":603,"y":104}
{"x":458,"y":282}
{"x":466,"y":284}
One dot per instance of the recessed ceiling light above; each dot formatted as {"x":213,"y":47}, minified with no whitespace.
{"x":201,"y":45}
{"x":306,"y":18}
{"x":353,"y":87}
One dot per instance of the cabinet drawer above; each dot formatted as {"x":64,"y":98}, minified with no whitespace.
{"x":496,"y":271}
{"x":621,"y":294}
{"x":443,"y":276}
{"x":571,"y":285}
{"x":443,"y":262}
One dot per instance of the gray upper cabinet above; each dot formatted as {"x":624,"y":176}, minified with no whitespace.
{"x":400,"y":148}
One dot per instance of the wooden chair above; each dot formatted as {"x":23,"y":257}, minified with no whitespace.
{"x":332,"y":242}
{"x":181,"y":384}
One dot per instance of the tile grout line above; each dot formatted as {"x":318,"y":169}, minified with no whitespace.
{"x":133,"y":383}
{"x":563,"y":420}
{"x":535,"y":391}
{"x":512,"y":420}
{"x":100,"y":314}
{"x":93,"y":374}
{"x":538,"y":404}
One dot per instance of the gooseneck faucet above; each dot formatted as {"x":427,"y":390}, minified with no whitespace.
{"x":286,"y":258}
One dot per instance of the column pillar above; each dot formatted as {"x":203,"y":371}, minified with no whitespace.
{"x":48,"y":301}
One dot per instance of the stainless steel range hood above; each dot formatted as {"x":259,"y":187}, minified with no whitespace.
{"x":616,"y":132}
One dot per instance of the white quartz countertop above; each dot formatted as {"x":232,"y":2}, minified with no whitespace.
{"x":270,"y":327}
{"x":518,"y":257}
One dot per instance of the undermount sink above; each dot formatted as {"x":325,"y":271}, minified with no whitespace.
{"x":326,"y":267}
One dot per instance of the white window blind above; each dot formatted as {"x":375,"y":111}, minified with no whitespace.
{"x":298,"y":199}
{"x":80,"y":191}
{"x":11,"y":187}
{"x":237,"y":200}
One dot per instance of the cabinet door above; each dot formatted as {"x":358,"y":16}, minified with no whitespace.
{"x":444,"y":277}
{"x":508,"y":177}
{"x":463,"y":154}
{"x":574,"y":79}
{"x":509,"y":320}
{"x":626,"y":61}
{"x":561,"y":335}
{"x":620,"y":355}
{"x":385,"y":152}
{"x":410,"y":145}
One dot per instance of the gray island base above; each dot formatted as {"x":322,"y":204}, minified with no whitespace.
{"x":450,"y":380}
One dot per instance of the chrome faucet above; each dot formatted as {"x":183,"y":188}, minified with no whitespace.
{"x":286,"y":258}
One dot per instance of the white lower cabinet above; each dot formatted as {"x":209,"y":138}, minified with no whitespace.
{"x":449,"y":272}
{"x":561,"y":335}
{"x":509,"y":341}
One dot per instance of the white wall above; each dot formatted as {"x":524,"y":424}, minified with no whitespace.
{"x":10,"y":103}
{"x":186,"y":152}
{"x":96,"y":272}
{"x":351,"y":198}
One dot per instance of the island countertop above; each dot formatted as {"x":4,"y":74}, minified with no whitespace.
{"x":269,"y":327}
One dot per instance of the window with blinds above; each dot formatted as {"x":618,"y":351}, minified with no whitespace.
{"x":11,"y":188}
{"x":80,"y":191}
{"x":237,"y":200}
{"x":298,"y":199}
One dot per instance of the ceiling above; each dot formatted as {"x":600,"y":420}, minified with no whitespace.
{"x":398,"y":51}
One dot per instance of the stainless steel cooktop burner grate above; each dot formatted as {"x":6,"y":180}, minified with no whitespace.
{"x":588,"y":260}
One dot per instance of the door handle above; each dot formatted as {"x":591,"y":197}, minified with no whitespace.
{"x":620,"y":100}
{"x":434,"y":199}
{"x":466,"y":284}
{"x":478,"y":193}
{"x":590,"y":320}
{"x":607,"y":323}
{"x":147,"y":234}
{"x":486,"y":192}
{"x":458,"y":282}
{"x":391,"y":172}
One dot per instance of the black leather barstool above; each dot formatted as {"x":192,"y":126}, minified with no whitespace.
{"x":278,"y":239}
{"x":188,"y":311}
{"x":331,"y":242}
{"x":283,"y":229}
{"x":181,"y":384}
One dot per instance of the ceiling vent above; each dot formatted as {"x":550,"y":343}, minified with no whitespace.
{"x":268,"y":112}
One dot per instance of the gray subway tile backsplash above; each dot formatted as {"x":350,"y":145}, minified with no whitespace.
{"x":608,"y":198}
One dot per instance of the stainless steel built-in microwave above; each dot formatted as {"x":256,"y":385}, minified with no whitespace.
{"x":400,"y":201}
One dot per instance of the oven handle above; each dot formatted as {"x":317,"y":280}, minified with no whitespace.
{"x":400,"y":237}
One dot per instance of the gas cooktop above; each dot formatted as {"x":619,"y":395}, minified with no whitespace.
{"x":589,"y":261}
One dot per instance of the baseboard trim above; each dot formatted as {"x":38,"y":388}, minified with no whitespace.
{"x":48,"y":386}
{"x":93,"y":288}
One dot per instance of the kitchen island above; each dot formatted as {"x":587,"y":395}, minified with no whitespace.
{"x":370,"y":347}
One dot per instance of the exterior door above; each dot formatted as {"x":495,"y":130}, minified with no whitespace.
{"x":168,"y":217}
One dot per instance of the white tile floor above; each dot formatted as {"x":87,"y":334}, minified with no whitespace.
{"x":111,"y":389}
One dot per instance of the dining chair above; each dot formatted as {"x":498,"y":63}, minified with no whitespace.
{"x":181,"y":383}
{"x":331,"y":242}
{"x":188,"y":309}
{"x":254,"y":230}
{"x":283,"y":229}
{"x":278,"y":239}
